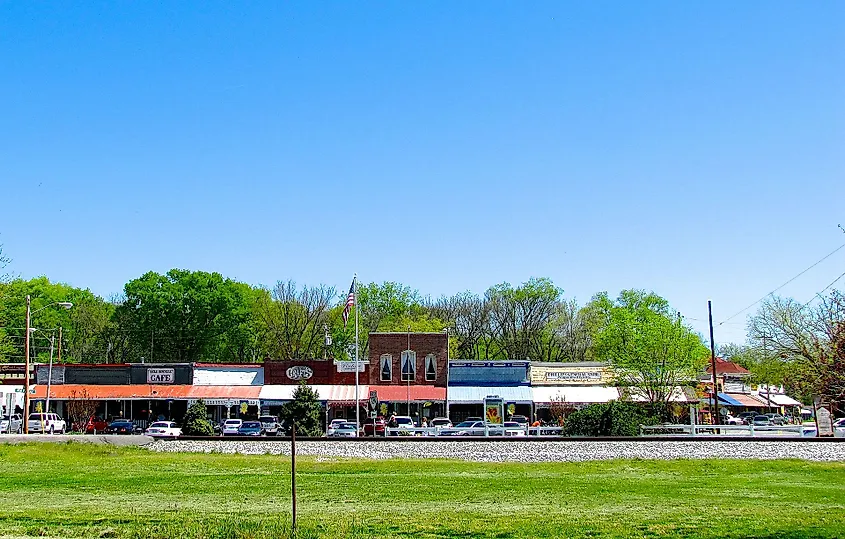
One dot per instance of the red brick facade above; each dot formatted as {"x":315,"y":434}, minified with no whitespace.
{"x":393,"y":344}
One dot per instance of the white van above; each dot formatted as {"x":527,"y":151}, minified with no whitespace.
{"x":45,"y":423}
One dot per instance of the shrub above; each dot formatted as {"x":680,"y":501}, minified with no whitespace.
{"x":610,"y":419}
{"x":196,"y":421}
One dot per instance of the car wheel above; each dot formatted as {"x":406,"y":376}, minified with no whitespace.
{"x":51,"y":429}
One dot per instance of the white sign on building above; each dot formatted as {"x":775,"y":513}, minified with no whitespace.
{"x":160,"y":376}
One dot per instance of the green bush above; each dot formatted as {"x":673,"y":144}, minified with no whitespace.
{"x":196,"y":421}
{"x":610,"y":419}
{"x":305,"y":410}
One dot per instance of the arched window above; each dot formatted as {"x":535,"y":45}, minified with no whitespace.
{"x":409,"y":366}
{"x":386,"y":368}
{"x":430,"y":368}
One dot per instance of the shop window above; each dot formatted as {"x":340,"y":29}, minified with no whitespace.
{"x":409,"y":366}
{"x":386,"y":368}
{"x":430,"y":368}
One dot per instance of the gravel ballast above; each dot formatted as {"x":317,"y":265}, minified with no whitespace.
{"x":539,"y":451}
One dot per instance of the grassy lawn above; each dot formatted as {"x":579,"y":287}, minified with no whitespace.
{"x":78,"y":490}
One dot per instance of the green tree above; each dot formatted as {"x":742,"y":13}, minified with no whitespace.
{"x":520,"y":318}
{"x":188,"y":316}
{"x":651,"y":352}
{"x":305,"y":411}
{"x":195,"y":422}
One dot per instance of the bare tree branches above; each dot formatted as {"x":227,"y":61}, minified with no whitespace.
{"x":294,"y":319}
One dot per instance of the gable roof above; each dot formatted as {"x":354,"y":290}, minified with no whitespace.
{"x":723,"y":366}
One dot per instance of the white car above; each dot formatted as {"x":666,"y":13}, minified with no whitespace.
{"x":512,"y":428}
{"x":11,"y":424}
{"x":46,"y":423}
{"x":839,"y":428}
{"x":163,"y":429}
{"x":334,"y":425}
{"x":231,"y":427}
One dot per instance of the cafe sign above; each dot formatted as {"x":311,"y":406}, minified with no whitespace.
{"x":160,"y":376}
{"x":299,"y":372}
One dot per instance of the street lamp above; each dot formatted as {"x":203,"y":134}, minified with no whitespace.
{"x":29,"y":313}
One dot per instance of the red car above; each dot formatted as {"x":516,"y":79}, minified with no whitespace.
{"x":377,"y":425}
{"x":95,"y":425}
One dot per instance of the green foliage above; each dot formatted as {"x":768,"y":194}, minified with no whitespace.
{"x":608,"y":419}
{"x":195,"y":422}
{"x":305,"y":411}
{"x":652,"y":354}
{"x":187,"y":316}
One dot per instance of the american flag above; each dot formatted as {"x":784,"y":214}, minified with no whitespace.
{"x":350,"y":301}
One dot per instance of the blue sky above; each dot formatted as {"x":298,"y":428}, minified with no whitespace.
{"x":694,"y":149}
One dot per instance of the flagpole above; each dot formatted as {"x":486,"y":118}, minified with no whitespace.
{"x":357,"y":364}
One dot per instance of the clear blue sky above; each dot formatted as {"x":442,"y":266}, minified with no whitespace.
{"x":695,"y":149}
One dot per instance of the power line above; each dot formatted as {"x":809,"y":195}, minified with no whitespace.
{"x":784,"y":284}
{"x":819,"y":294}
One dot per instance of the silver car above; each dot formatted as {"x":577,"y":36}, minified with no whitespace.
{"x":11,"y":424}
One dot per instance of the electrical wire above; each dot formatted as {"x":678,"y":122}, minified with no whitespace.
{"x":786,"y":283}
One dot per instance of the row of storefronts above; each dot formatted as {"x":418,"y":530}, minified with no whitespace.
{"x":407,"y":374}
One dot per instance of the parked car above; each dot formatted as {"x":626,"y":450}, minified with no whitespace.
{"x":731,"y":420}
{"x":402,"y":422}
{"x":465,"y":428}
{"x":46,"y":423}
{"x":839,"y":428}
{"x":514,"y":428}
{"x":761,"y":421}
{"x":163,"y":429}
{"x":231,"y":427}
{"x":250,"y":428}
{"x":746,"y":417}
{"x":121,"y":426}
{"x":375,"y":427}
{"x":521,"y":419}
{"x":776,"y":419}
{"x":95,"y":425}
{"x":12,"y":424}
{"x":442,"y":422}
{"x":334,"y":425}
{"x":345,"y":430}
{"x":473,"y":418}
{"x":270,"y":424}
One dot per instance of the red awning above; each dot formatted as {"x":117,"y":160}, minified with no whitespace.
{"x":417,"y":393}
{"x":145,"y":392}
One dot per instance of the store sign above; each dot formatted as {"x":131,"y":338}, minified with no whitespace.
{"x":160,"y":376}
{"x":573,"y":376}
{"x":494,"y":410}
{"x":349,"y":366}
{"x":225,"y":402}
{"x":562,"y":375}
{"x":299,"y":372}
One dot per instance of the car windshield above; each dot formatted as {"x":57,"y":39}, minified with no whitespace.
{"x":160,"y":424}
{"x":439,"y":421}
{"x":511,"y":424}
{"x":121,"y":422}
{"x":465,"y":424}
{"x":267,"y":419}
{"x":35,"y":417}
{"x":348,"y":426}
{"x":404,"y":421}
{"x":252,"y":425}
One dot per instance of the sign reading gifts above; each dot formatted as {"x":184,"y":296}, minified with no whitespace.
{"x":160,"y":376}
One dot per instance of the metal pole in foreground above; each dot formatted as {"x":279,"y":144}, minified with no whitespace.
{"x":357,"y":364}
{"x":713,"y":366}
{"x":26,"y":373}
{"x":293,"y":477}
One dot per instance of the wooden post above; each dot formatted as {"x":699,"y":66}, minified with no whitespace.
{"x":293,"y":477}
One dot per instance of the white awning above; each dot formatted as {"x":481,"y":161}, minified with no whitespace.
{"x":330,"y":393}
{"x":575,"y":394}
{"x":476,"y":394}
{"x":678,"y":395}
{"x":228,"y":376}
{"x":779,"y":399}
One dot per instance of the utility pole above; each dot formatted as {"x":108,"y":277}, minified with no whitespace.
{"x":26,"y":373}
{"x":713,"y":365}
{"x":59,"y":360}
{"x":293,"y":477}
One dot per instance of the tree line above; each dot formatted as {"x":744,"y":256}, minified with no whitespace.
{"x":196,"y":316}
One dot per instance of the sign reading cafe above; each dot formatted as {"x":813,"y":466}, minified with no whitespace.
{"x":299,"y":372}
{"x":160,"y":376}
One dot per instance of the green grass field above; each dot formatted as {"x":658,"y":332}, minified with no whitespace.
{"x":77,"y":490}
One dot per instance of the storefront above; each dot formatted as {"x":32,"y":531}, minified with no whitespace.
{"x":228,"y":391}
{"x":470,"y":382}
